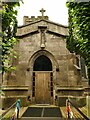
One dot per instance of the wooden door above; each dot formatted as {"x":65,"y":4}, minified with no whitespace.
{"x":42,"y":87}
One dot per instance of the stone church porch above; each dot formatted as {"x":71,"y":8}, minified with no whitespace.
{"x":12,"y":93}
{"x":46,"y":71}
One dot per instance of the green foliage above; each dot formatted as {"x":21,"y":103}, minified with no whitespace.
{"x":9,"y":28}
{"x":78,"y":40}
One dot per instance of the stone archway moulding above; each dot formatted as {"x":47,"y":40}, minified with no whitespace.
{"x":39,"y":53}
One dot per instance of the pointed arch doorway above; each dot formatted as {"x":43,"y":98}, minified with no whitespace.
{"x":42,"y":80}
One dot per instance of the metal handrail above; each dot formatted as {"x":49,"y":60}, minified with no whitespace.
{"x":1,"y":117}
{"x":84,"y":116}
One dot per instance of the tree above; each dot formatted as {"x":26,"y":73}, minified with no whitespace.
{"x":9,"y":28}
{"x":78,"y":40}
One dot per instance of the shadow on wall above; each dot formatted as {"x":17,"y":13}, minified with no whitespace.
{"x":78,"y":101}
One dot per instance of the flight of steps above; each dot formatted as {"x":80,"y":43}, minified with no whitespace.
{"x":76,"y":114}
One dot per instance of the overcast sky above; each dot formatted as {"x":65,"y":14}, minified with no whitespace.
{"x":56,"y":10}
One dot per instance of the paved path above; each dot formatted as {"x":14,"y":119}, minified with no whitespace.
{"x":42,"y":113}
{"x":43,"y":118}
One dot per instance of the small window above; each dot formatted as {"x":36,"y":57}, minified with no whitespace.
{"x":33,"y":79}
{"x":33,"y":88}
{"x":33,"y":74}
{"x":33,"y":94}
{"x":51,"y":83}
{"x":33,"y":84}
{"x":51,"y":89}
{"x":77,"y":61}
{"x":52,"y":94}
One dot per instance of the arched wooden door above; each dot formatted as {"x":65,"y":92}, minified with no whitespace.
{"x":43,"y":80}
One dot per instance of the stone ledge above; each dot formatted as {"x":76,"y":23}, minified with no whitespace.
{"x":9,"y":88}
{"x":70,"y":88}
{"x":70,"y":91}
{"x":87,"y":91}
{"x":78,"y":100}
{"x":3,"y":97}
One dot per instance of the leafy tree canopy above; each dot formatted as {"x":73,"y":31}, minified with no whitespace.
{"x":78,"y":40}
{"x":9,"y":28}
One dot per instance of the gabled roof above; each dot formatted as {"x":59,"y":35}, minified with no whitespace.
{"x":45,"y":21}
{"x":32,"y":28}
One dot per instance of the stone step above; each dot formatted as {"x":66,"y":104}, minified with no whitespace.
{"x":76,"y":114}
{"x":49,"y":118}
{"x":42,"y":118}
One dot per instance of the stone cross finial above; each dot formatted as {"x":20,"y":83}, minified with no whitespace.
{"x":42,"y":11}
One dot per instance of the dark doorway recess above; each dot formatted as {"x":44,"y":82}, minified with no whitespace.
{"x":42,"y":63}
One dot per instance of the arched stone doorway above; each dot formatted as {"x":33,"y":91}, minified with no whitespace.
{"x":42,"y":80}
